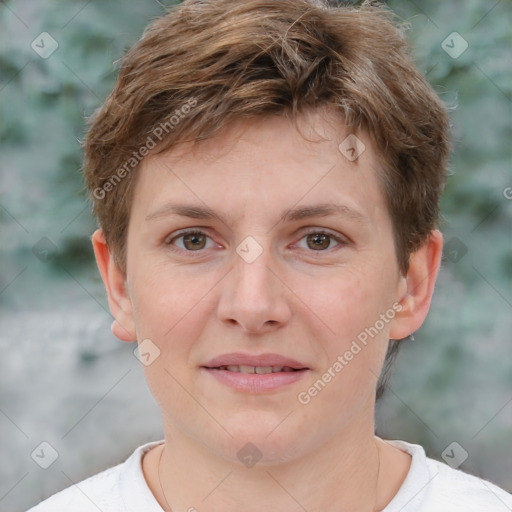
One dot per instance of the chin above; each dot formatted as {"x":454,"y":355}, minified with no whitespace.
{"x":265,"y":441}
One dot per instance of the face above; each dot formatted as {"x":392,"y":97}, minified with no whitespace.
{"x":261,"y":251}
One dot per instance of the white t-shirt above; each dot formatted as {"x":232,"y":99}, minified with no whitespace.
{"x":430,"y":486}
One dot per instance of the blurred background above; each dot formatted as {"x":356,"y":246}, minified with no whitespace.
{"x":65,"y":380}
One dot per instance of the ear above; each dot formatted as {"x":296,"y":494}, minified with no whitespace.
{"x":416,"y":289}
{"x":114,"y":280}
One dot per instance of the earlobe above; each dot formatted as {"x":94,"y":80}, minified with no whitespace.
{"x":123,"y":326}
{"x":121,"y":332}
{"x":417,"y":288}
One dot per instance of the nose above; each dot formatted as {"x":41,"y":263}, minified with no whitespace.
{"x":253,"y":296}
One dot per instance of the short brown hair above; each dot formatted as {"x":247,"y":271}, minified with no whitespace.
{"x":211,"y":62}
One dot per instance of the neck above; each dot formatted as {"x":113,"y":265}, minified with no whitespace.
{"x":343,"y":475}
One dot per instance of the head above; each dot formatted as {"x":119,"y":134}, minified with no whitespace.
{"x":241,"y":114}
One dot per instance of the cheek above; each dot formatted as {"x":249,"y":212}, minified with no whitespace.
{"x":170,"y":310}
{"x":345,"y":304}
{"x":355,"y":339}
{"x":169,"y":307}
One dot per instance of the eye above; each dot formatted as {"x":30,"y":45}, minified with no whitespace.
{"x":190,"y":240}
{"x":321,"y":240}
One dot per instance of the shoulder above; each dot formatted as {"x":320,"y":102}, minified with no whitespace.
{"x":117,"y":489}
{"x":465,"y":492}
{"x":100,"y":491}
{"x":432,"y":485}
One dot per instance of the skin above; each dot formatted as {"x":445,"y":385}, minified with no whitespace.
{"x":294,"y":300}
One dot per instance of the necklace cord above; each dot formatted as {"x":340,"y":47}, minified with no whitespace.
{"x":160,"y":480}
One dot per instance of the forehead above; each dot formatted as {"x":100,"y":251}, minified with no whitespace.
{"x":308,"y":134}
{"x":265,"y":164}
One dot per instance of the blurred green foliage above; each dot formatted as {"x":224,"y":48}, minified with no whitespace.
{"x":44,"y":106}
{"x":45,"y":103}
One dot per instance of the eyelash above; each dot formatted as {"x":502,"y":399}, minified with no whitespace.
{"x":168,"y":241}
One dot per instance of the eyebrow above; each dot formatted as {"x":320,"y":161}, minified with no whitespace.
{"x":289,"y":215}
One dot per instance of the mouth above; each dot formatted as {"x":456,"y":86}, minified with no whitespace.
{"x":255,"y":374}
{"x":260,"y":370}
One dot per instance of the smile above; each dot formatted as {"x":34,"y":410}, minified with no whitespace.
{"x":255,"y":379}
{"x":260,"y":370}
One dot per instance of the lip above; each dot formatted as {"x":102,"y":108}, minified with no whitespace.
{"x":253,"y":382}
{"x":240,"y":359}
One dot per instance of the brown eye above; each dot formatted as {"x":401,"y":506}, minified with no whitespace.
{"x":318,"y":241}
{"x":194,"y":241}
{"x":190,"y":241}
